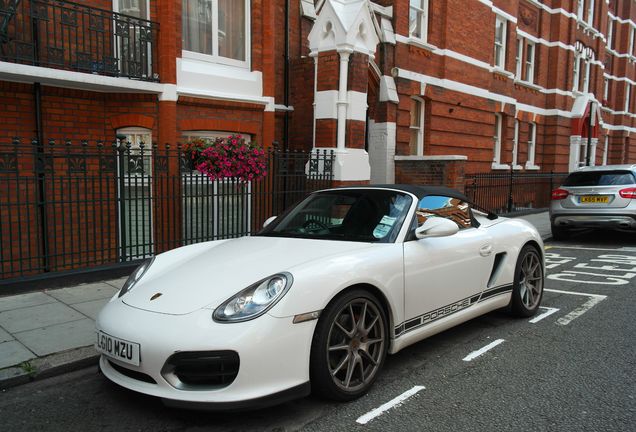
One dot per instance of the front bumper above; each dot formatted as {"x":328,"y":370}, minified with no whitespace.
{"x":608,"y":221}
{"x":273,"y":352}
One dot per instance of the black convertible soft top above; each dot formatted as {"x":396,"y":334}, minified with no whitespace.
{"x":422,"y":191}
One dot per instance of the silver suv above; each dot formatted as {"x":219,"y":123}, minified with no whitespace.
{"x":595,"y":197}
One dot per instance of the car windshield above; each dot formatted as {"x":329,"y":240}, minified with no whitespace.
{"x":600,"y":178}
{"x":367,"y":215}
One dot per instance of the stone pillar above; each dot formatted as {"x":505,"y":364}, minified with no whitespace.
{"x":342,"y":41}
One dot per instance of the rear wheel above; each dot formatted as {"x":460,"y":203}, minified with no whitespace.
{"x":349,"y":346}
{"x":528,"y":283}
{"x":559,"y":233}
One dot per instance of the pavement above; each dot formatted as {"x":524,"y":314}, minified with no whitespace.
{"x":50,"y":332}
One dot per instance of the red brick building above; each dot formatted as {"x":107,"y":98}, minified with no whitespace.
{"x":404,"y":90}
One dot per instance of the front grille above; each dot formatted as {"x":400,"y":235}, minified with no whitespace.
{"x":139,"y":376}
{"x":203,"y":368}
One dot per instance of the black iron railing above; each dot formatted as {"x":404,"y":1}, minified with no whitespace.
{"x":65,"y":35}
{"x":511,"y":192}
{"x":72,"y":206}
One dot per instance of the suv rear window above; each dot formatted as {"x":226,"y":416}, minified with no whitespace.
{"x":600,"y":178}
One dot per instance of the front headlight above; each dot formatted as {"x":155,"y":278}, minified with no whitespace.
{"x":254,"y":300}
{"x":135,"y":276}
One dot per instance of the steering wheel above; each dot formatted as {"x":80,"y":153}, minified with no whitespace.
{"x":313,"y":225}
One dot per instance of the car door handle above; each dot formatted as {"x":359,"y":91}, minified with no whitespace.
{"x":485,"y":250}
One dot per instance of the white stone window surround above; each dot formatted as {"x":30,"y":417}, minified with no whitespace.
{"x":632,"y":34}
{"x":418,"y":20}
{"x":605,"y":88}
{"x":515,"y":147}
{"x":497,"y":142}
{"x":417,"y":125}
{"x":529,"y":62}
{"x":605,"y":150}
{"x":214,"y":57}
{"x":519,"y":58}
{"x":501,"y":33}
{"x":628,"y":88}
{"x":610,"y":32}
{"x":209,"y":134}
{"x":532,"y":147}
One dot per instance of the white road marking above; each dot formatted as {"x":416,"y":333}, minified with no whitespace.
{"x":387,"y":406}
{"x":549,"y":311}
{"x":575,"y":293}
{"x":581,"y":310}
{"x":593,"y":300}
{"x":479,"y":352}
{"x":585,"y":248}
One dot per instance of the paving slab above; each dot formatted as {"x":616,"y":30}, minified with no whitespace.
{"x":24,"y":300}
{"x":117,"y":283}
{"x":83,"y":293}
{"x":13,"y":353}
{"x":34,"y":317}
{"x":90,"y":309}
{"x":60,"y":337}
{"x":4,"y":336}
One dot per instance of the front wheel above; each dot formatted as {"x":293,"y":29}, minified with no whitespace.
{"x":527,"y":288}
{"x":349,"y":346}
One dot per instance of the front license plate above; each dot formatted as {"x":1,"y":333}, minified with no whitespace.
{"x":119,"y":349}
{"x":594,"y":199}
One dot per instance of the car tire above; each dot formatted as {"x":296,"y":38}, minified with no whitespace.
{"x":559,"y":233}
{"x":349,"y":346}
{"x":527,"y":289}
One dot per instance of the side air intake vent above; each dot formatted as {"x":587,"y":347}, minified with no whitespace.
{"x":496,"y":267}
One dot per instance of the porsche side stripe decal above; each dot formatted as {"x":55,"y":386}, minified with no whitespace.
{"x":448,"y":310}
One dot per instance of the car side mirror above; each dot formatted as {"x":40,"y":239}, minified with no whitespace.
{"x":269,"y":221}
{"x":436,"y":227}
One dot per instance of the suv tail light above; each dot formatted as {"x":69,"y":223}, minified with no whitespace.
{"x":559,"y":194}
{"x":628,"y":193}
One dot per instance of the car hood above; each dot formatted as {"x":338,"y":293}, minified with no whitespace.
{"x":207,"y":274}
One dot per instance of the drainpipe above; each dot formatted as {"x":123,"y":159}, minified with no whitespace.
{"x":286,"y":78}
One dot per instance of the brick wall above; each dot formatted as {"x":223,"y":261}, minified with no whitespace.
{"x":448,"y":173}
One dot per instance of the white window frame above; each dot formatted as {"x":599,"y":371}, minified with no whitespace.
{"x":422,"y":12}
{"x":605,"y":88}
{"x":579,"y":10}
{"x":628,"y":88}
{"x":586,"y":77}
{"x":605,"y":149}
{"x":418,"y":102}
{"x":577,"y":71}
{"x":529,"y":62}
{"x":497,"y":139}
{"x":515,"y":146}
{"x":500,"y":46}
{"x":214,"y":57}
{"x":532,"y":145}
{"x":590,"y":13}
{"x":610,"y":32}
{"x":519,"y":58}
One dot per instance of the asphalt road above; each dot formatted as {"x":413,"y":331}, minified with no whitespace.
{"x":574,"y":369}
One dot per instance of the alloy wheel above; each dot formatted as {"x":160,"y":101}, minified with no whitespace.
{"x":356,"y":344}
{"x":531,"y":281}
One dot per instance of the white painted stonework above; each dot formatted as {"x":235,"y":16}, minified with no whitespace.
{"x":388,"y":90}
{"x":382,"y":151}
{"x":205,"y":79}
{"x":344,"y":25}
{"x":349,"y":164}
{"x":356,"y":106}
{"x":325,"y":102}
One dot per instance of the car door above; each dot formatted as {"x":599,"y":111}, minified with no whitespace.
{"x":443,"y":274}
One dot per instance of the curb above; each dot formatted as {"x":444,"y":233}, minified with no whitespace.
{"x":49,"y":366}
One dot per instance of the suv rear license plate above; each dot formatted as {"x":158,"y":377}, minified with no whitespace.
{"x":594,"y":199}
{"x":119,"y":349}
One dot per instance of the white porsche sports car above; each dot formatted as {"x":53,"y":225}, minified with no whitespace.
{"x":317,"y":299}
